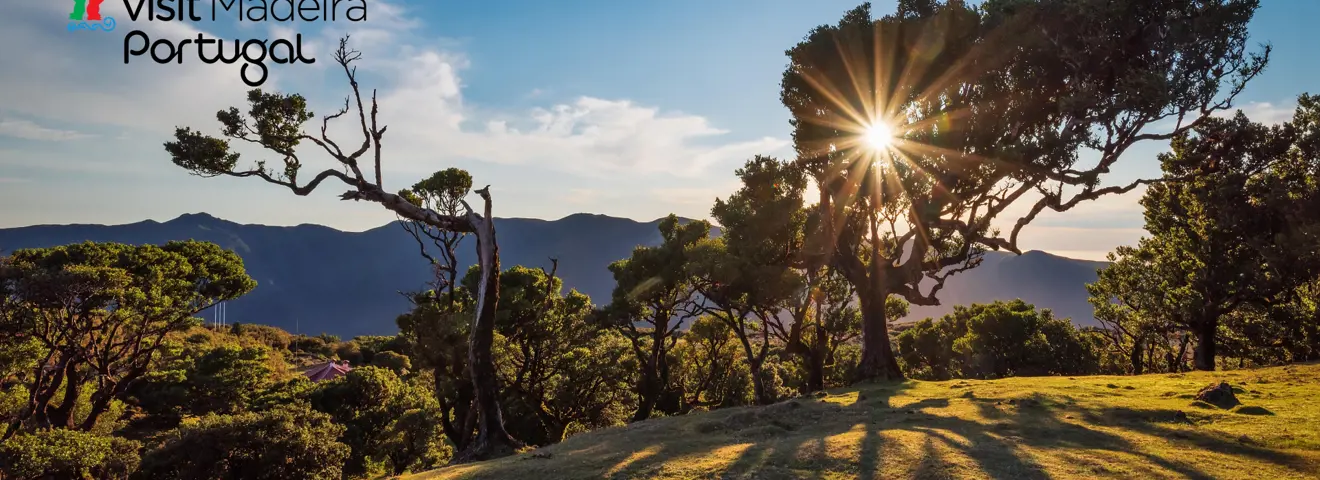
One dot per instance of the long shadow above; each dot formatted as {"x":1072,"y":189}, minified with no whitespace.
{"x":1036,"y":422}
{"x":778,"y":429}
{"x":772,"y":441}
{"x":1156,"y":421}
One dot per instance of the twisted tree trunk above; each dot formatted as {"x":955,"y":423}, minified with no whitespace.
{"x":492,"y":439}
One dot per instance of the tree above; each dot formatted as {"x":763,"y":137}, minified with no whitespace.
{"x":922,"y":128}
{"x":561,"y":373}
{"x":709,"y":368}
{"x":275,"y":123}
{"x":437,"y":331}
{"x":101,"y":312}
{"x":1240,"y":233}
{"x":653,"y":288}
{"x":748,"y":276}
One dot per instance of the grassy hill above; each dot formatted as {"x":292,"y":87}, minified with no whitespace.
{"x":1019,"y":428}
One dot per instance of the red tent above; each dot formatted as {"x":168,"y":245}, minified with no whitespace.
{"x":327,"y":371}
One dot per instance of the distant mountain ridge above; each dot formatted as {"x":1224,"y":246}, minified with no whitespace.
{"x":313,"y":279}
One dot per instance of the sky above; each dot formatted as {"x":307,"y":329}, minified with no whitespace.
{"x":628,"y":109}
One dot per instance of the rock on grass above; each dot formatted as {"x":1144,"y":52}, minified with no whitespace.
{"x":1220,"y":395}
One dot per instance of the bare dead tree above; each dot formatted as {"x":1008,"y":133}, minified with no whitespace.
{"x":275,"y":123}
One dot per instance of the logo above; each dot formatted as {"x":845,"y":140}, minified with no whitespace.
{"x":86,"y":15}
{"x":254,"y":53}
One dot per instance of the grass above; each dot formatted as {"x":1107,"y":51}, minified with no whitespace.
{"x":1018,"y":428}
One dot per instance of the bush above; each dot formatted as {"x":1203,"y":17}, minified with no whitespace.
{"x":999,"y":339}
{"x":288,"y":442}
{"x":67,"y":454}
{"x":398,"y":363}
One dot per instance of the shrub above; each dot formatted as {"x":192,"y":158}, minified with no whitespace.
{"x":287,"y":442}
{"x":71,"y":454}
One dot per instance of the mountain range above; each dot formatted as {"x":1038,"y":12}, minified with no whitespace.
{"x":314,"y":279}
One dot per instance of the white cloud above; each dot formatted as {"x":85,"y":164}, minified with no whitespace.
{"x":422,"y":102}
{"x":27,"y":130}
{"x":79,"y":78}
{"x":1267,"y":113}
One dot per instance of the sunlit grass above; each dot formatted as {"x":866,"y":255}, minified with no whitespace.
{"x":1056,"y":427}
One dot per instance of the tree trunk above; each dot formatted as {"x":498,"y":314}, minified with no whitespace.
{"x":1182,"y":353}
{"x":1137,"y":356}
{"x":492,"y":439}
{"x":1203,"y":358}
{"x":816,"y":361}
{"x":62,"y":416}
{"x":878,"y":362}
{"x":646,"y":393}
{"x":654,"y":371}
{"x":758,"y":383}
{"x":100,"y":403}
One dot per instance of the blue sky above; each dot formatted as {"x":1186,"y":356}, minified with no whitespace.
{"x":632,"y":109}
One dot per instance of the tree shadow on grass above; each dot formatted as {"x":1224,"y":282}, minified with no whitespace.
{"x":807,"y":438}
{"x":785,"y":440}
{"x":1039,"y":421}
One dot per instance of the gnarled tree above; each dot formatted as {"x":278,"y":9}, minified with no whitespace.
{"x":653,"y":297}
{"x":1241,"y":232}
{"x":275,"y":123}
{"x":100,"y":313}
{"x":437,"y":328}
{"x":749,"y":276}
{"x":922,"y":128}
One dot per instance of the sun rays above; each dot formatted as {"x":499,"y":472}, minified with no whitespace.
{"x":885,"y":108}
{"x":879,"y":136}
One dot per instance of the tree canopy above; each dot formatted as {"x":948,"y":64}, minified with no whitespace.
{"x":923,"y":127}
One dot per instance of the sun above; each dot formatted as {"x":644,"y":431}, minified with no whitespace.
{"x":879,"y":136}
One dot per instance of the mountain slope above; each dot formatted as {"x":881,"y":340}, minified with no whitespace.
{"x":314,"y":279}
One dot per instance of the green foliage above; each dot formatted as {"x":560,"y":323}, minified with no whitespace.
{"x":710,"y":368}
{"x":70,"y":454}
{"x":994,"y":341}
{"x":225,"y":379}
{"x":317,"y":346}
{"x":369,"y":402}
{"x":436,"y":336}
{"x":18,"y":355}
{"x":748,"y":274}
{"x":105,"y":310}
{"x":1232,"y":234}
{"x":287,"y":442}
{"x":990,"y":103}
{"x":272,"y":337}
{"x":442,"y":192}
{"x":557,"y":368}
{"x":398,"y":363}
{"x":651,"y":301}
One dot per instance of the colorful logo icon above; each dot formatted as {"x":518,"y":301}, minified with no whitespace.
{"x":86,"y":15}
